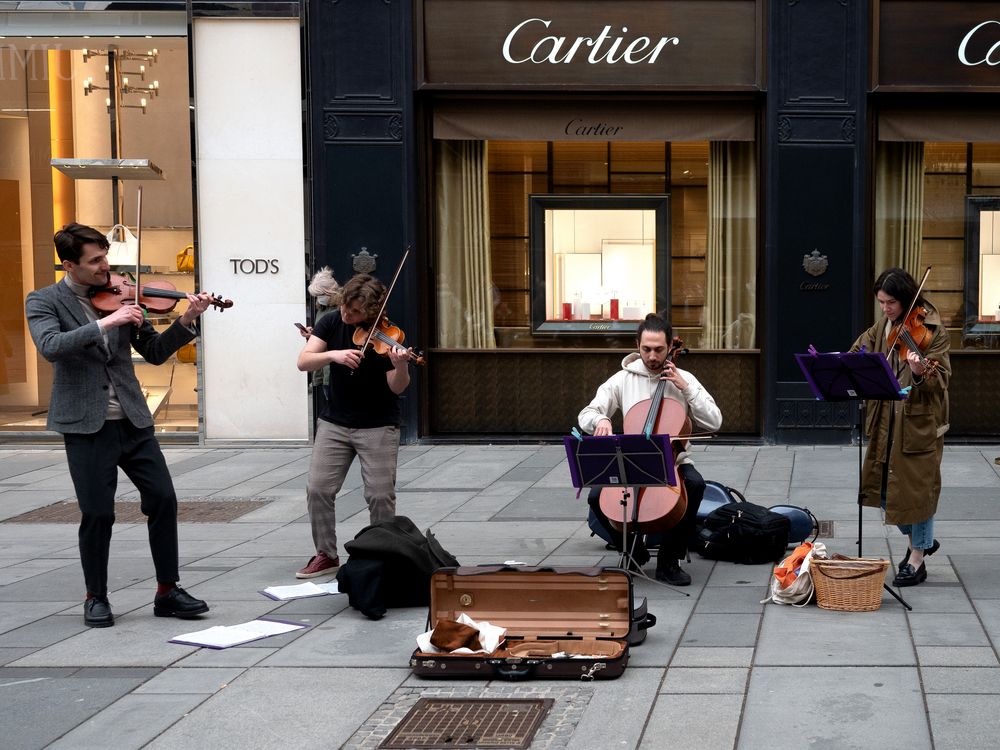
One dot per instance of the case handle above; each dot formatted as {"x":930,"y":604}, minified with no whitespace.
{"x":516,"y":671}
{"x":647,"y":622}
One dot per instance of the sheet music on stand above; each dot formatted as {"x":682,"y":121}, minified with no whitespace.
{"x":849,"y":376}
{"x":622,"y":461}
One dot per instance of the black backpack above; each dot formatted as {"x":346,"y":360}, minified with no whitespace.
{"x":743,"y":533}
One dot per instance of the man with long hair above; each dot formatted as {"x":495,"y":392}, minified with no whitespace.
{"x":361,"y":417}
{"x":636,"y":381}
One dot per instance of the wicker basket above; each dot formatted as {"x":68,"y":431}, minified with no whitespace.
{"x":853,"y":584}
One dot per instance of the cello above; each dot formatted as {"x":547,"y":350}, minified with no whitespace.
{"x":657,"y":508}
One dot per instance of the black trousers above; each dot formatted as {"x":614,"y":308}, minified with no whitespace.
{"x":674,"y":541}
{"x":93,"y":465}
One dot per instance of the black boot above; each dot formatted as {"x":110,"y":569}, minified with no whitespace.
{"x":670,"y":572}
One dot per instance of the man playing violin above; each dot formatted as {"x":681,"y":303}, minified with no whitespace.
{"x":635,"y":382}
{"x":98,"y":406}
{"x":902,"y":466}
{"x":361,"y":417}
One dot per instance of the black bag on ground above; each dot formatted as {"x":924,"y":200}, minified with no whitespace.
{"x":743,"y":533}
{"x":717,"y":495}
{"x":390,"y":565}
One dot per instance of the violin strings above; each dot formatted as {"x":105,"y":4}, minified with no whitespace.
{"x":389,"y":341}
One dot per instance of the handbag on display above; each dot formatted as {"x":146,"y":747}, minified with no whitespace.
{"x":124,"y":246}
{"x":188,"y":353}
{"x":185,"y":259}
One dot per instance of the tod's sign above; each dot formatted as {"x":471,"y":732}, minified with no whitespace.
{"x":939,"y":46}
{"x":669,"y":44}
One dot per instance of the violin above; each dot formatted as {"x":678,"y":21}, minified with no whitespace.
{"x":652,"y":509}
{"x":909,"y":334}
{"x":384,"y":338}
{"x":154,"y":296}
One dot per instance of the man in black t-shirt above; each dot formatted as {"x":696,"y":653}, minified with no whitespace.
{"x":360,"y":419}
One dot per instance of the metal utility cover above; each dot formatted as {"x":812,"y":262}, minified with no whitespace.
{"x":469,"y":723}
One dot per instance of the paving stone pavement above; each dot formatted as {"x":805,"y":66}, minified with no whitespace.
{"x":719,"y":671}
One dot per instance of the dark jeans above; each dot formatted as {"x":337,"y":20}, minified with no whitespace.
{"x":93,"y":465}
{"x":674,"y":541}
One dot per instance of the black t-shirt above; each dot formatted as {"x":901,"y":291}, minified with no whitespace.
{"x":361,"y":397}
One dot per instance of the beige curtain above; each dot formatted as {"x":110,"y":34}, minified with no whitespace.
{"x":731,"y":256}
{"x":462,"y":253}
{"x":899,"y":205}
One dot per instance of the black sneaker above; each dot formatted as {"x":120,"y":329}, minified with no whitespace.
{"x":178,"y":603}
{"x":673,"y":574}
{"x":97,"y":612}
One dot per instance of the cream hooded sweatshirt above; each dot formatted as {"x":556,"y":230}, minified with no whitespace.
{"x":634,"y":383}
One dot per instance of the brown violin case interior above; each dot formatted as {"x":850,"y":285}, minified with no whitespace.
{"x":561,"y":622}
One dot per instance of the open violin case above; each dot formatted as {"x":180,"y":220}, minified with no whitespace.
{"x":563,"y":623}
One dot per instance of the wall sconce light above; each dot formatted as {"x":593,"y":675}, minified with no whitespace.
{"x":118,"y":79}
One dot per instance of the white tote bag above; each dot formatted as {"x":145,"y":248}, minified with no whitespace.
{"x":800,"y":592}
{"x":124,"y":250}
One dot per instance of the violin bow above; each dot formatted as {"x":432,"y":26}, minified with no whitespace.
{"x":385,"y":301}
{"x":138,"y":245}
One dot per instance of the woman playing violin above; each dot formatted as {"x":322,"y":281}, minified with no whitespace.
{"x":635,"y":381}
{"x":902,"y":466}
{"x":361,"y":417}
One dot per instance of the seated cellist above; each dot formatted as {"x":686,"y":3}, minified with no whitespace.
{"x":635,"y":382}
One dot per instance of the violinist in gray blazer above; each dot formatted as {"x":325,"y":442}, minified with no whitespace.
{"x":98,"y":406}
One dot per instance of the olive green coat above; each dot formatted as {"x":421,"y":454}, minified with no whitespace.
{"x":913,"y":481}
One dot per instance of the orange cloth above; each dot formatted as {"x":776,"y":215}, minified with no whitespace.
{"x":787,"y":572}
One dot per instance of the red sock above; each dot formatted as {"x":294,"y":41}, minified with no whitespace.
{"x":164,"y":588}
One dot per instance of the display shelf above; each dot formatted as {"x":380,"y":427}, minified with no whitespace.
{"x":105,"y":169}
{"x":156,"y":397}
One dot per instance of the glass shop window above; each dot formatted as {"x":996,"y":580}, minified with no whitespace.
{"x":600,"y":264}
{"x":84,"y":121}
{"x":539,"y":242}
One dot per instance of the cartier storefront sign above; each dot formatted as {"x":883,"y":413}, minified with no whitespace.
{"x":627,"y":44}
{"x":938,"y":46}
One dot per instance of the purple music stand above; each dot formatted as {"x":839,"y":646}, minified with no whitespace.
{"x":625,"y":462}
{"x":849,"y":376}
{"x":620,"y":460}
{"x":853,"y":376}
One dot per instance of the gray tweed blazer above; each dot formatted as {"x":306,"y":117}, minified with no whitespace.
{"x":83,"y":368}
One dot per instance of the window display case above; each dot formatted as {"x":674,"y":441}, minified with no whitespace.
{"x":599,"y":263}
{"x":982,"y":272}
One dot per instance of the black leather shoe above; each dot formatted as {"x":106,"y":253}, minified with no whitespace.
{"x":673,"y":575}
{"x":97,"y":613}
{"x":910,"y":577}
{"x":906,"y":558}
{"x":178,"y":603}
